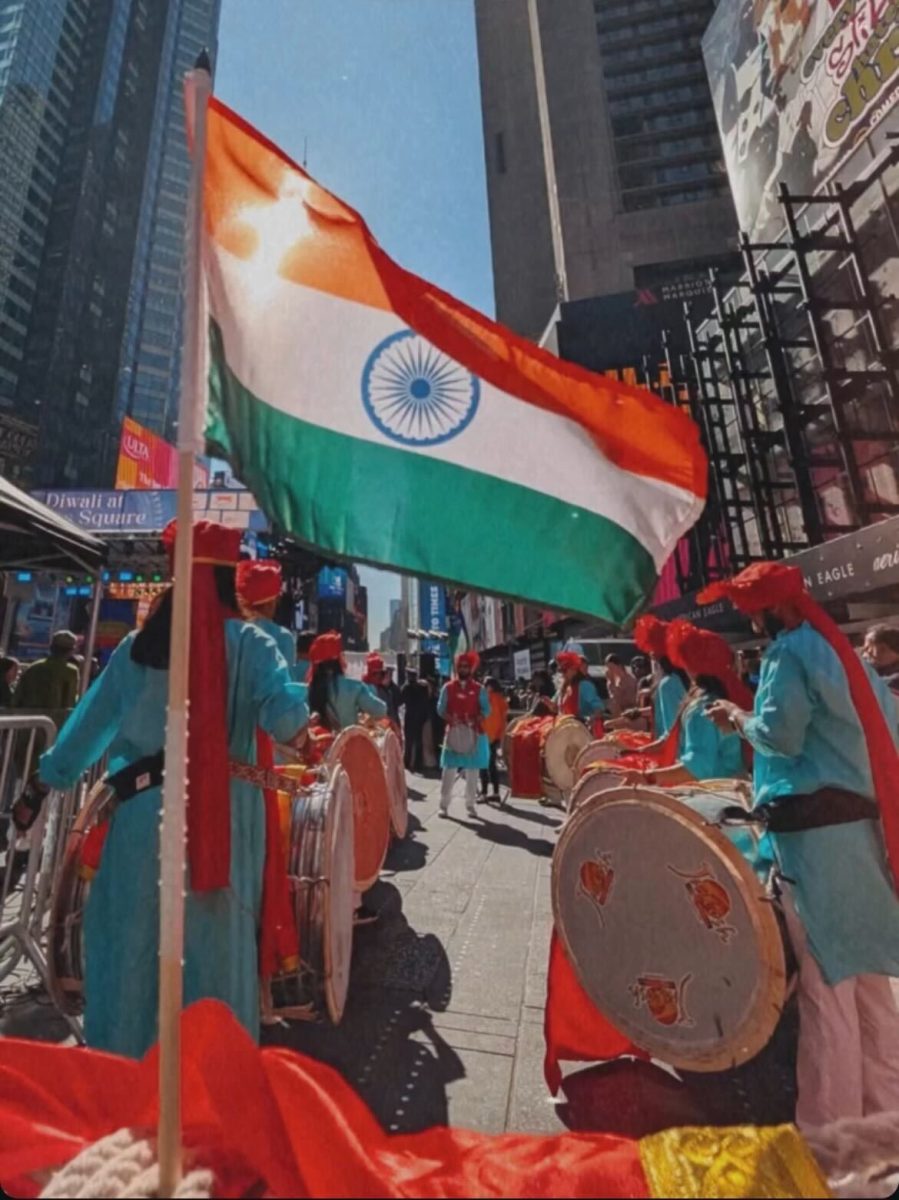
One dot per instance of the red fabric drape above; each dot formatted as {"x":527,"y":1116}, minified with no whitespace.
{"x":208,"y":788}
{"x":526,"y":768}
{"x":275,"y":1116}
{"x":574,"y":1030}
{"x":278,"y":939}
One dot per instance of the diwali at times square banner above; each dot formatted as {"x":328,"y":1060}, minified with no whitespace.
{"x":797,"y":86}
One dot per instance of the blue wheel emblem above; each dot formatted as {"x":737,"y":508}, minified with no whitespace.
{"x":415,"y":394}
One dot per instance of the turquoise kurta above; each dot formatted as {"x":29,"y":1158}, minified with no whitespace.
{"x":352,"y":699}
{"x":589,"y":702}
{"x":124,"y":712}
{"x":806,"y":736}
{"x":479,"y":760}
{"x":283,"y":639}
{"x":666,"y":701}
{"x":705,"y":750}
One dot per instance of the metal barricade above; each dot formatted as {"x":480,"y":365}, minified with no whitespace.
{"x":32,"y":860}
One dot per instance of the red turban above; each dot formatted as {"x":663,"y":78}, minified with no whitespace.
{"x":701,"y":652}
{"x":569,"y":661}
{"x":208,"y":787}
{"x":374,"y":665}
{"x":769,"y":585}
{"x":327,"y":647}
{"x":258,"y":582}
{"x":763,"y":585}
{"x":469,"y":656}
{"x":650,"y":635}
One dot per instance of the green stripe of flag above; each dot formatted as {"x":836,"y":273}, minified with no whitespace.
{"x":388,"y":506}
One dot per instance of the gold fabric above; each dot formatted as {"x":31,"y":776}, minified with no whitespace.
{"x":719,"y":1163}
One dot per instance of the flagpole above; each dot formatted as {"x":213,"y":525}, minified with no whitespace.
{"x":549,"y":160}
{"x":198,"y":86}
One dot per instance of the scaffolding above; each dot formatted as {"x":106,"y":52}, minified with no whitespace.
{"x":792,"y":377}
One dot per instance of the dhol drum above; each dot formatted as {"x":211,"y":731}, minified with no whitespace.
{"x":65,"y":948}
{"x":320,"y":871}
{"x":564,"y":742}
{"x":600,"y":750}
{"x":356,"y":751}
{"x":391,"y":751}
{"x":669,"y":929}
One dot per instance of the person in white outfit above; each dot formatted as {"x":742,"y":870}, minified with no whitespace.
{"x":463,"y":705}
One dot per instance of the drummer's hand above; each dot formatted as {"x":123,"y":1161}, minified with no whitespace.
{"x":299,"y":740}
{"x":722,"y":713}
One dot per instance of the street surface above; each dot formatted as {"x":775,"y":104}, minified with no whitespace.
{"x":444,"y":1021}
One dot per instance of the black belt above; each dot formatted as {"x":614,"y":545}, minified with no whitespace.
{"x":138,"y":776}
{"x":811,"y":810}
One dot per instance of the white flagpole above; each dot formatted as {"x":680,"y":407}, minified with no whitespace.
{"x":174,"y":792}
{"x":549,"y":160}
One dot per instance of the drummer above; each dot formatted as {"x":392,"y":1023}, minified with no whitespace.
{"x":376,"y":680}
{"x":704,"y":751}
{"x":670,"y":683}
{"x":238,"y":680}
{"x":338,"y":701}
{"x":463,"y":704}
{"x":577,"y":696}
{"x":258,"y":591}
{"x":825,"y":773}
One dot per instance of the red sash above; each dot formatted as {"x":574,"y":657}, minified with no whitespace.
{"x":278,"y":938}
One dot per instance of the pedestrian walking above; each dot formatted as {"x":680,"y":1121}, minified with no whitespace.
{"x":9,"y":673}
{"x":416,"y":703}
{"x":51,"y":683}
{"x":495,"y":729}
{"x":463,"y":704}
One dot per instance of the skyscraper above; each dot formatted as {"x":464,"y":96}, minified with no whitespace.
{"x":642,"y":190}
{"x":94,"y":172}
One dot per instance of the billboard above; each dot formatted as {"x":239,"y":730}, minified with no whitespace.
{"x":18,"y":441}
{"x":149,"y":512}
{"x":146,"y":460}
{"x":332,"y":583}
{"x":797,"y":86}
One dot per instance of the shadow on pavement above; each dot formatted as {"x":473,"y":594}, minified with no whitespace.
{"x":386,"y":1046}
{"x":537,"y":815}
{"x":505,"y":835}
{"x":410,"y":854}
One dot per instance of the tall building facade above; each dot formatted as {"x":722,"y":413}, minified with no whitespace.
{"x":94,"y":172}
{"x":643,"y":193}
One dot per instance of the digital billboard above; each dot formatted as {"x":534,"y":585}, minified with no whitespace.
{"x":797,"y":87}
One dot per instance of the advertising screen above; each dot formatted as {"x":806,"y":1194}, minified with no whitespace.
{"x":797,"y":86}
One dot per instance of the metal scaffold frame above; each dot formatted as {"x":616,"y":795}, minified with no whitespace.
{"x":794,"y":379}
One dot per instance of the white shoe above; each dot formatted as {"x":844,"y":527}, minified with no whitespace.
{"x":443,"y":810}
{"x":471,"y":810}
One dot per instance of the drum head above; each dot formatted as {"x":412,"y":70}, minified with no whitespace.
{"x":395,"y":769}
{"x":338,"y":869}
{"x":65,"y":948}
{"x":355,"y":750}
{"x":596,"y":751}
{"x":595,"y":780}
{"x":668,"y":930}
{"x":563,"y":744}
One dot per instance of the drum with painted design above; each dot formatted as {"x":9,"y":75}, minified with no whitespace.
{"x":669,"y":929}
{"x":320,"y":872}
{"x":356,"y":751}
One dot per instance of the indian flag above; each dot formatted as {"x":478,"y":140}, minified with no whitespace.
{"x":377,"y":418}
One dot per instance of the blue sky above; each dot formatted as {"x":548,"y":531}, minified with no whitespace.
{"x":383,"y":97}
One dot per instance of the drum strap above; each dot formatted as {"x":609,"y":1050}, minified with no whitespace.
{"x":147,"y":773}
{"x":816,"y":810}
